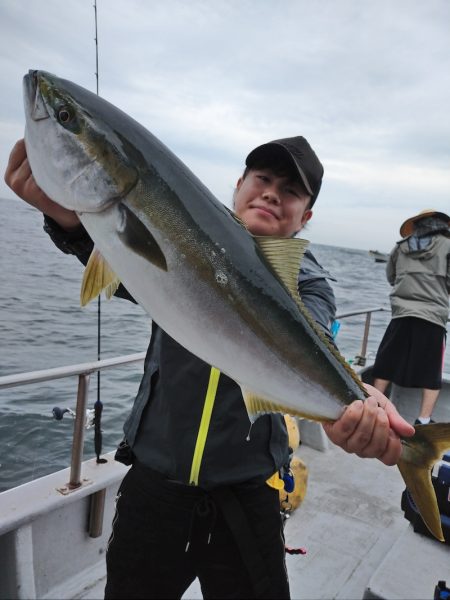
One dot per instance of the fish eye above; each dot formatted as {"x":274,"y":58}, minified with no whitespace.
{"x":65,"y":115}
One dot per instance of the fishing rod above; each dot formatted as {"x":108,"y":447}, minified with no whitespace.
{"x":95,"y":419}
{"x":98,"y":406}
{"x":96,"y":44}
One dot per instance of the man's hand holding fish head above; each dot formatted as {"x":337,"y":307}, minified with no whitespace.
{"x":19,"y":178}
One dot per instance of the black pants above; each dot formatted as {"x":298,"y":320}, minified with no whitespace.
{"x":166,"y":534}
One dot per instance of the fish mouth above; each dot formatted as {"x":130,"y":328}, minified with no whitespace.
{"x":34,"y":104}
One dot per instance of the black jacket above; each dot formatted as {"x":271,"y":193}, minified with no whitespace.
{"x":163,"y":428}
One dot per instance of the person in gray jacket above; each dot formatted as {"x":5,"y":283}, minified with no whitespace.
{"x":197,"y":500}
{"x":411,"y":351}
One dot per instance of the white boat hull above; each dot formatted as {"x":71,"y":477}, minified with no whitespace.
{"x":45,"y":545}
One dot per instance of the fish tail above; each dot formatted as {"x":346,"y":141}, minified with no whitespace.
{"x":420,"y":453}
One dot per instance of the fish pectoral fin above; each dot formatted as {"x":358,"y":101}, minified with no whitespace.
{"x":285,"y":256}
{"x":97,"y":276}
{"x":138,"y":238}
{"x":257,"y":405}
{"x":420,"y":453}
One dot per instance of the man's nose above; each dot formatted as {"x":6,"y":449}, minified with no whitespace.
{"x":270,"y":194}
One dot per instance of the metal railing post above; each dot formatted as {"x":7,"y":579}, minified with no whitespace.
{"x":83,"y":372}
{"x":78,"y":431}
{"x":96,"y":513}
{"x":360,"y":359}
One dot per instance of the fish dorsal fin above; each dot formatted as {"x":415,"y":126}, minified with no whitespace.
{"x":97,"y":276}
{"x":284,"y":255}
{"x":257,"y":405}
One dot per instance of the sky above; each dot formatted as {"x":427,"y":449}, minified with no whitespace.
{"x":367,"y":82}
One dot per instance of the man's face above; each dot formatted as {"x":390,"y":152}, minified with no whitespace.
{"x":271,"y":205}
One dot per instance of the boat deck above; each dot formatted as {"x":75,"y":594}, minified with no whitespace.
{"x":359,"y":545}
{"x":348,"y":523}
{"x":350,"y":518}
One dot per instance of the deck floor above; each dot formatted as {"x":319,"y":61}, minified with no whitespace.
{"x":349,"y":520}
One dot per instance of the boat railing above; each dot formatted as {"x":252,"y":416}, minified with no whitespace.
{"x":361,"y":358}
{"x":85,"y":370}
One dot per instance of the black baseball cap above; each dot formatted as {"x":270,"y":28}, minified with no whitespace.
{"x":302,"y":157}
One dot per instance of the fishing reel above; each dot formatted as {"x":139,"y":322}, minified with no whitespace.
{"x":92,"y":419}
{"x":58,"y":414}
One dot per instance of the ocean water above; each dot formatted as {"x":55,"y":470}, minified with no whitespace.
{"x":43,"y":326}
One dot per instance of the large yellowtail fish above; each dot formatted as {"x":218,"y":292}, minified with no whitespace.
{"x":228,"y":297}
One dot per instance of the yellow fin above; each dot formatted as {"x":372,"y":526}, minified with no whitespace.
{"x":97,"y":276}
{"x":419,"y":454}
{"x":257,"y":406}
{"x":284,"y":255}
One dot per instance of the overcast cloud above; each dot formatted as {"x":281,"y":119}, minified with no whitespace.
{"x":366,"y":81}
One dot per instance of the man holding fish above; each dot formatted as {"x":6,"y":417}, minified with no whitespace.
{"x":195,"y":502}
{"x":269,"y":204}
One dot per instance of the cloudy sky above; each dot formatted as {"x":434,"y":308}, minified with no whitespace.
{"x":366,"y":81}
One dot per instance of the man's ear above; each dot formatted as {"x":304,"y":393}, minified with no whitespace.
{"x":307,"y":216}
{"x":236,"y":189}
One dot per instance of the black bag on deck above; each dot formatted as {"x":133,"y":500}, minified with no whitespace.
{"x":441,"y":484}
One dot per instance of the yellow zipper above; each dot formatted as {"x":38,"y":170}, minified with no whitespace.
{"x":204,"y":425}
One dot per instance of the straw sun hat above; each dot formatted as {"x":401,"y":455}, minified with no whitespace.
{"x":408,"y":226}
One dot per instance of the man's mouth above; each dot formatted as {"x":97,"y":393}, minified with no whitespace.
{"x":265,"y":209}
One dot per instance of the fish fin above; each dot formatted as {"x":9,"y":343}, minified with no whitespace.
{"x":97,"y":276}
{"x":419,"y":455}
{"x":134,"y":234}
{"x":257,"y":406}
{"x":111,"y":289}
{"x":285,"y":256}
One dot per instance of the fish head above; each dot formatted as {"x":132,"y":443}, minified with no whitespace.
{"x":76,"y":157}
